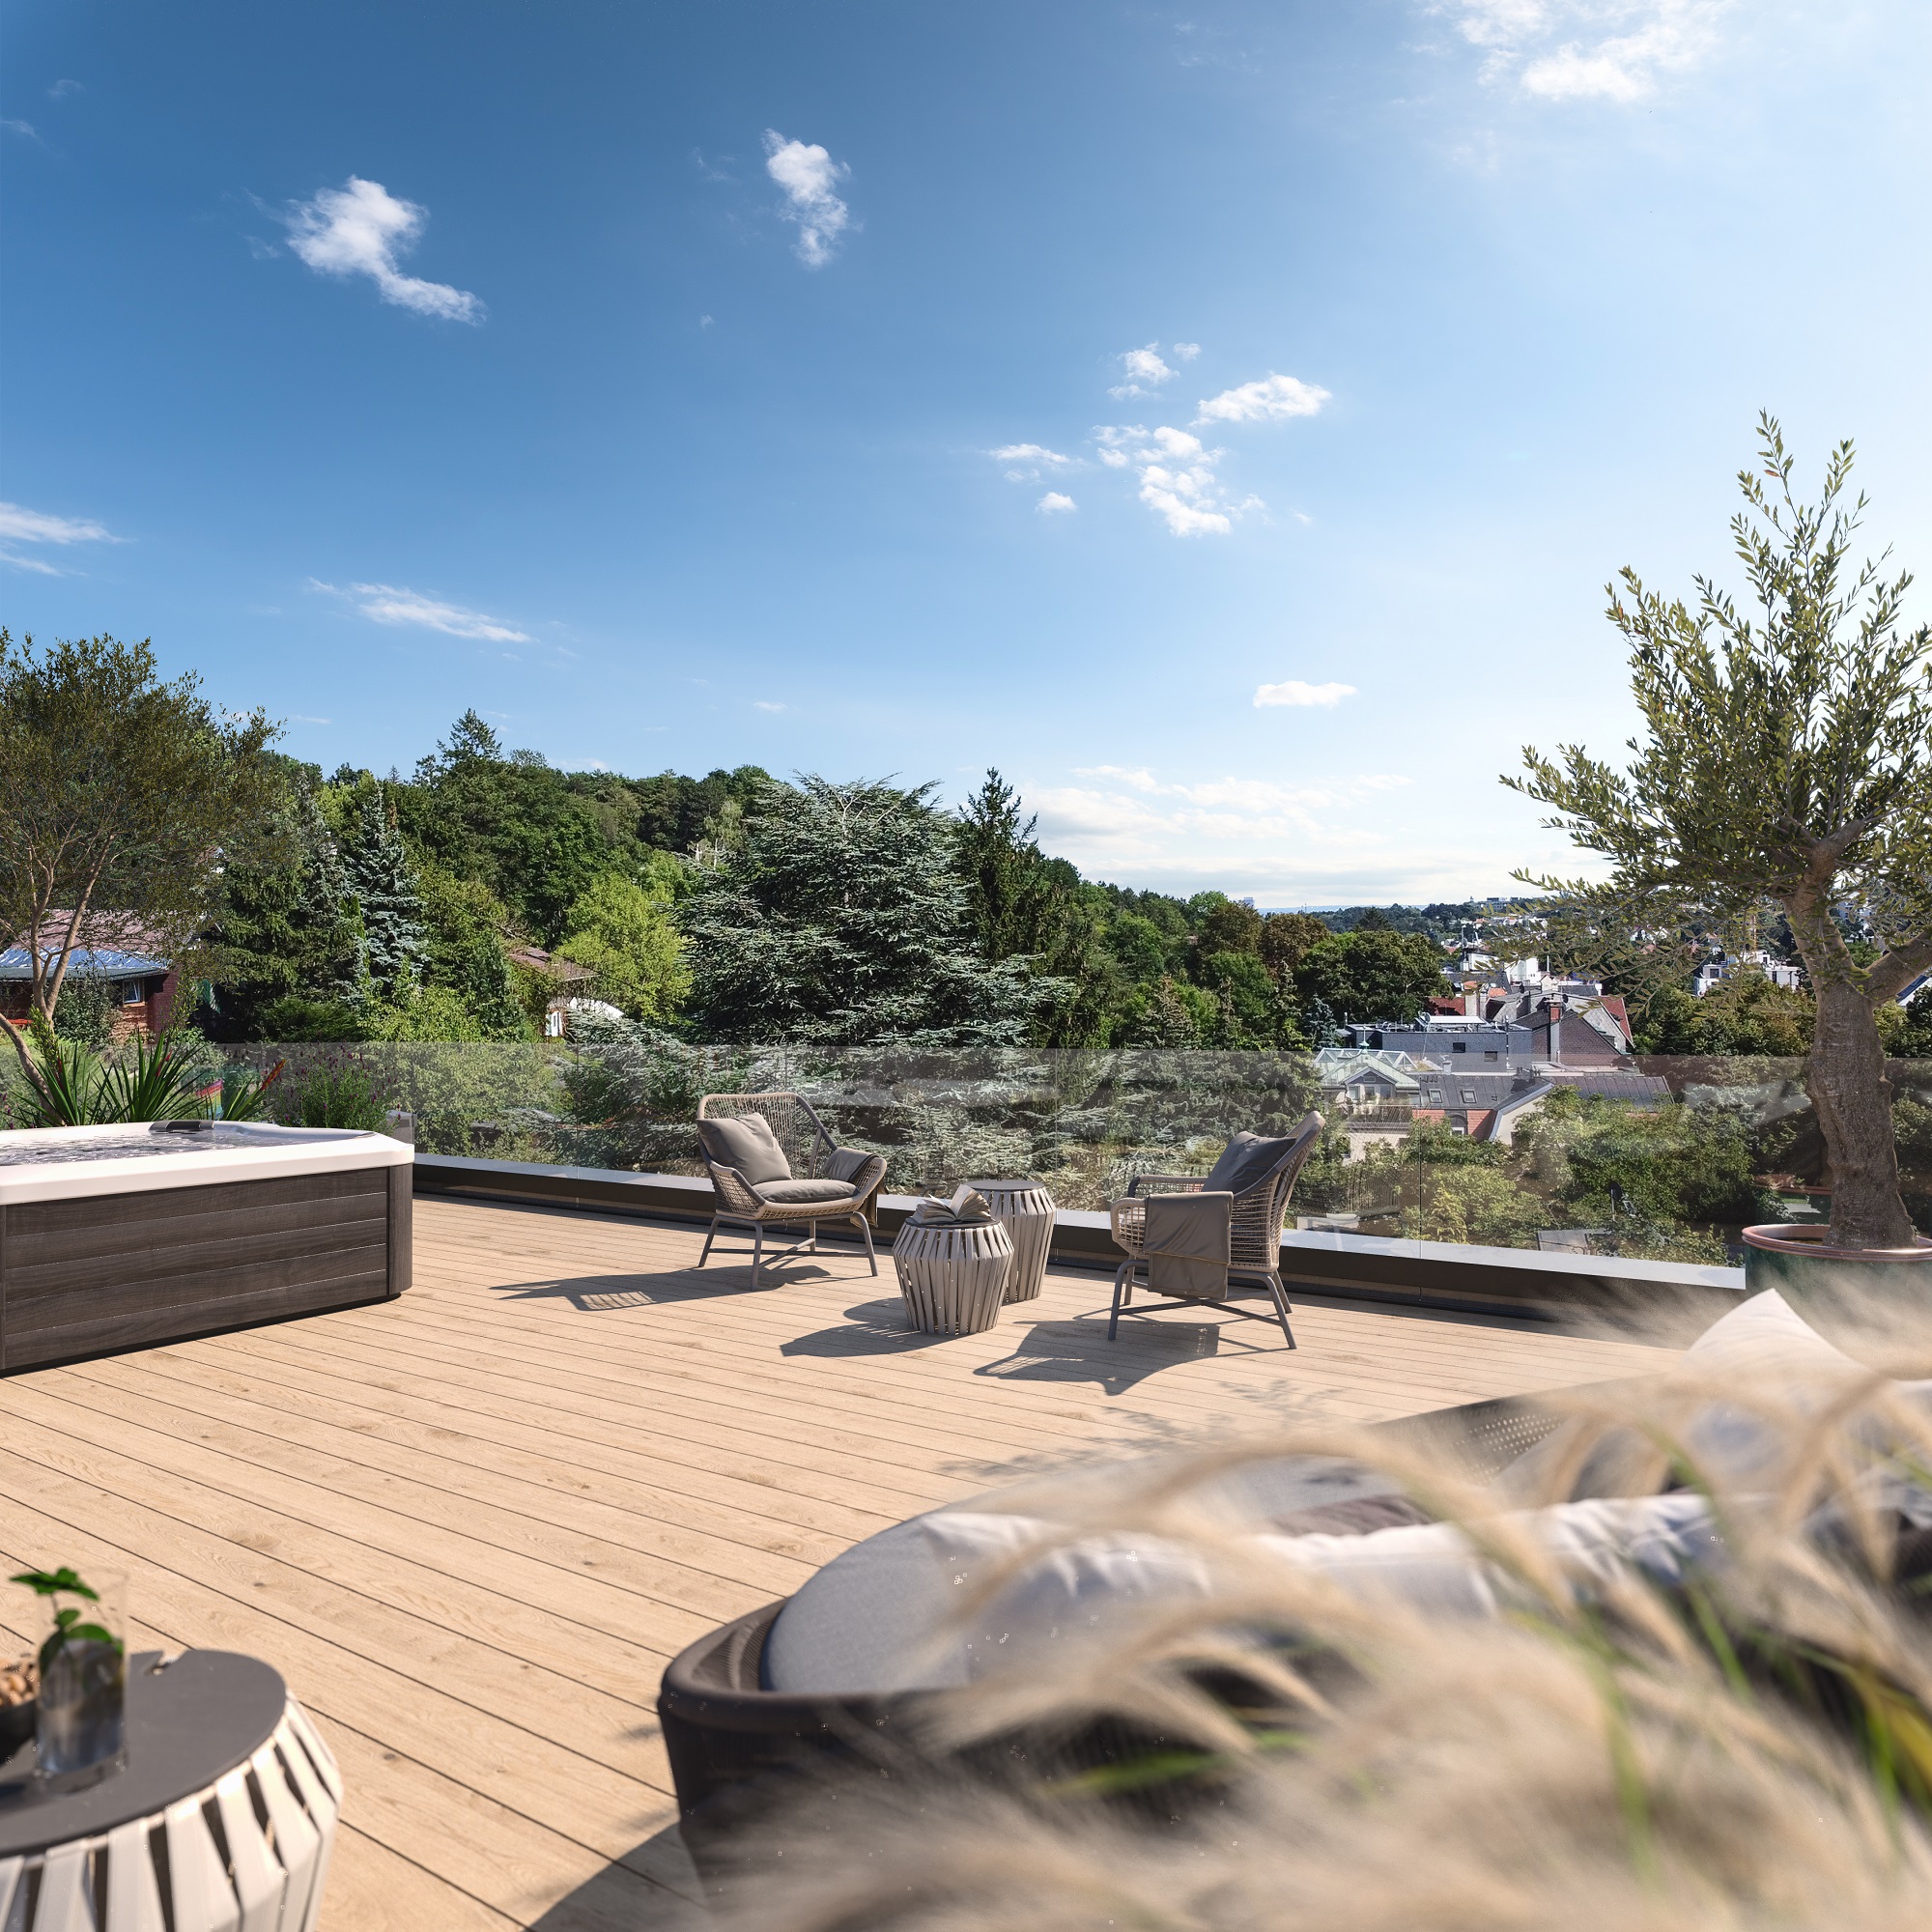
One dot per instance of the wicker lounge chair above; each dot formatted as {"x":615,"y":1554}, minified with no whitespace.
{"x":774,"y":1163}
{"x":1261,"y":1176}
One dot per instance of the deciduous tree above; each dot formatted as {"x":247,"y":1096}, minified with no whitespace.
{"x":1785,"y":756}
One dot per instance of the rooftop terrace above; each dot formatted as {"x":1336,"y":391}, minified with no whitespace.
{"x":472,"y":1525}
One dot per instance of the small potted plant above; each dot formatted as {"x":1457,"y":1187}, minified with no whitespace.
{"x":1787,"y":759}
{"x":82,"y":1669}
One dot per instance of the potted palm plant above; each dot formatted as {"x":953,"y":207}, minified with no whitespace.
{"x":1785,"y":758}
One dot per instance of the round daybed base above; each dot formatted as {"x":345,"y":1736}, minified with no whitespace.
{"x":739,"y":1752}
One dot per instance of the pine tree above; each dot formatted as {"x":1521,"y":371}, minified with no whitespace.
{"x":378,"y":870}
{"x":840,"y":919}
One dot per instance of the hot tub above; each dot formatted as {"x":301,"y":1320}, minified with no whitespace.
{"x":122,"y":1236}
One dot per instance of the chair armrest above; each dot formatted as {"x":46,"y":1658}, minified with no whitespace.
{"x":868,"y":1177}
{"x":1126,"y":1223}
{"x":734,"y":1192}
{"x":1165,"y":1183}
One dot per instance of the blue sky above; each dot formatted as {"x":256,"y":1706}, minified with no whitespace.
{"x":1222,"y":418}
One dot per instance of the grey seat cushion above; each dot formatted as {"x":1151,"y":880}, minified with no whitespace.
{"x":747,"y":1144}
{"x":1245,"y":1161}
{"x":783,"y":1192}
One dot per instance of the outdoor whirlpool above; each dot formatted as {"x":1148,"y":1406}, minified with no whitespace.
{"x":124,"y":1237}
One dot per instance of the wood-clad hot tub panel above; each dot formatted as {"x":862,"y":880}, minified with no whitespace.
{"x":110,"y":1271}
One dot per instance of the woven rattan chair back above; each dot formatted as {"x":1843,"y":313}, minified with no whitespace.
{"x":799,"y":1132}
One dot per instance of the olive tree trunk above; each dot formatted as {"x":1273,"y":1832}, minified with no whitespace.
{"x":1853,"y":1100}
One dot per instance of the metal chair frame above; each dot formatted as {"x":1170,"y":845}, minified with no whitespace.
{"x":806,"y":1140}
{"x":1254,"y":1233}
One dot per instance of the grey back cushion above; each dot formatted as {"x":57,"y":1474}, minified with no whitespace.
{"x":1243,"y":1162}
{"x":846,"y":1163}
{"x":747,"y":1144}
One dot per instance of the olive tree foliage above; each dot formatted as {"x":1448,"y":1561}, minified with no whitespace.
{"x":1787,"y":755}
{"x":119,"y":796}
{"x":841,"y":920}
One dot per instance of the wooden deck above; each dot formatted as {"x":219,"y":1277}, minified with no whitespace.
{"x":471,"y":1526}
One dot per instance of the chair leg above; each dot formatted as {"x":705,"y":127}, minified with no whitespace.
{"x":757,"y":1250}
{"x":1122,"y":1294}
{"x":866,"y":1229}
{"x":1281,"y":1307}
{"x":710,"y":1235}
{"x":810,"y":1246}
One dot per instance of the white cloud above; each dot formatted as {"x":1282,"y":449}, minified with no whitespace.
{"x":1271,"y":398}
{"x":1146,"y":372}
{"x":61,"y":89}
{"x":1053,"y":503}
{"x":26,"y":129}
{"x":386,"y":604}
{"x":1292,"y":691}
{"x":1185,"y":351}
{"x":808,"y":175}
{"x":1589,"y":49}
{"x":20,"y":524}
{"x":362,"y":229}
{"x":1029,"y":459}
{"x":1176,"y":477}
{"x":765,"y":704}
{"x":1137,"y":776}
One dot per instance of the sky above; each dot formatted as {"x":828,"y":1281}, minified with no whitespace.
{"x":1223,"y":419}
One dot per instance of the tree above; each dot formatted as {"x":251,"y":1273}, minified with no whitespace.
{"x":118,"y":794}
{"x":625,"y":934}
{"x":1027,"y":907}
{"x":1786,"y":757}
{"x":1913,"y":1039}
{"x":378,"y":867}
{"x":1286,"y":938}
{"x":842,"y":919}
{"x":1230,"y":927}
{"x":286,"y":925}
{"x":1371,"y":976}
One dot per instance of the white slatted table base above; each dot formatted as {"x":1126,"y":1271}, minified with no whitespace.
{"x":271,"y":1880}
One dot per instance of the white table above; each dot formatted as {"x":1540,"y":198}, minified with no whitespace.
{"x":212,"y":1727}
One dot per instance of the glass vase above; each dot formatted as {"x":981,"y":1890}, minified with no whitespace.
{"x":81,"y":1733}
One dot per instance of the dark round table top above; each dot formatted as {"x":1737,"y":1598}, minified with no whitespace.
{"x":188,"y":1721}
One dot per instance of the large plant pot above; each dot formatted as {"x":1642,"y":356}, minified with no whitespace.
{"x":1874,"y":1303}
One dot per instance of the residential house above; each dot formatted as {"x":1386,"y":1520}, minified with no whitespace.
{"x":141,"y":982}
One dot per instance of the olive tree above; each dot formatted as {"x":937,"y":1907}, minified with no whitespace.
{"x":1786,"y":756}
{"x":119,"y":794}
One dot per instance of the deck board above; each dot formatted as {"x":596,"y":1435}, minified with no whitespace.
{"x":472,"y":1524}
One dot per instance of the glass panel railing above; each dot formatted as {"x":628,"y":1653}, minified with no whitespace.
{"x":1648,"y":1158}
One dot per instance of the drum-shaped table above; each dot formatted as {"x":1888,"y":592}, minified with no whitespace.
{"x":209,"y":1732}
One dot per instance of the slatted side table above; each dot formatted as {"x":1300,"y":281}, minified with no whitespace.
{"x":213,"y":1731}
{"x":953,"y":1274}
{"x":1025,"y":1209}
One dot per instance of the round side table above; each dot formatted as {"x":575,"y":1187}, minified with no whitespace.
{"x":953,"y":1274}
{"x":211,"y":1729}
{"x":1025,"y":1209}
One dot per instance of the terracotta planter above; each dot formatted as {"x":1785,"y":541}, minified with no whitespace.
{"x":1874,"y":1303}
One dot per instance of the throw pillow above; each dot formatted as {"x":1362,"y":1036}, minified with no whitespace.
{"x":1244,"y":1161}
{"x":747,"y":1144}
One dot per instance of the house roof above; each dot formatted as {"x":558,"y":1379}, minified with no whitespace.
{"x":85,"y":963}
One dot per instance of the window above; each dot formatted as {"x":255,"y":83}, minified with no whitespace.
{"x":132,"y":992}
{"x":1489,"y":1053}
{"x":1460,"y":1046}
{"x":1469,"y":1097}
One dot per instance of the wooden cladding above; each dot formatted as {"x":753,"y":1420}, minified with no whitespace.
{"x":109,"y":1271}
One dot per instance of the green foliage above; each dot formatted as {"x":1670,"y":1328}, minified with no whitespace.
{"x":1286,"y":938}
{"x":340,"y":1090}
{"x":299,"y":1018}
{"x":1229,"y":926}
{"x":118,"y":795}
{"x":54,"y":1584}
{"x":1913,"y":1039}
{"x":85,"y":1016}
{"x":149,"y":1080}
{"x":287,"y":924}
{"x":377,"y":865}
{"x":842,"y":919}
{"x":1669,"y":1164}
{"x":1745,"y":1014}
{"x":1786,"y":756}
{"x":1256,"y":1008}
{"x":465,"y":956}
{"x":1477,"y":1202}
{"x":1369,"y":976}
{"x":625,"y":934}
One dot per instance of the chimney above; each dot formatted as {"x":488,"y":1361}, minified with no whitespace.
{"x":1557,"y":1032}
